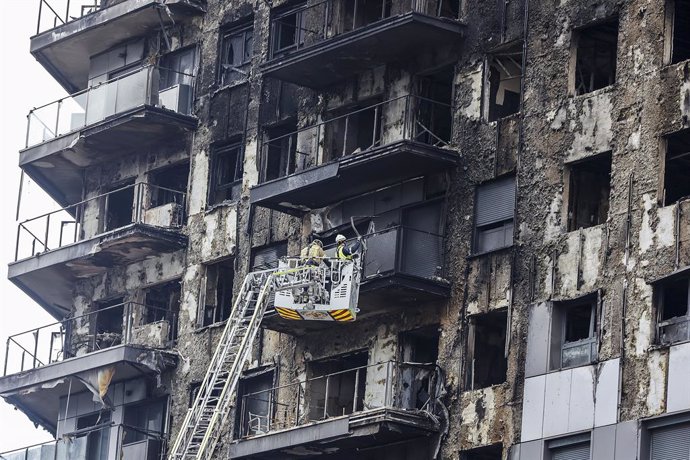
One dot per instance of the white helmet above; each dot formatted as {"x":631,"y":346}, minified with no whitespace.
{"x":340,"y":238}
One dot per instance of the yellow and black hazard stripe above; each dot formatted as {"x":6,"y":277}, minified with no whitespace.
{"x":341,"y":315}
{"x":288,"y":314}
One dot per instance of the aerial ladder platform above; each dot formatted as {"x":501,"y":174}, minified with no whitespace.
{"x":327,"y":291}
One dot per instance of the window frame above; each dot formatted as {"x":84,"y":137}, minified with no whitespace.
{"x":217,"y":317}
{"x":659,"y":295}
{"x":489,"y":62}
{"x":558,"y":342}
{"x":568,"y":441}
{"x":246,"y":31}
{"x":571,"y":193}
{"x":575,"y":45}
{"x":217,"y":154}
{"x":478,"y":229}
{"x":300,"y":31}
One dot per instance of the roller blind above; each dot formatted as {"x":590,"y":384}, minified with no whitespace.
{"x":671,"y":443}
{"x":571,"y":452}
{"x":495,"y":201}
{"x":267,"y":257}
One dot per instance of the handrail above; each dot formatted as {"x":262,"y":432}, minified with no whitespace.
{"x":83,"y":9}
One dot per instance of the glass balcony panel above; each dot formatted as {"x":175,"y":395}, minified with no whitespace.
{"x":131,"y":91}
{"x":675,"y":330}
{"x":579,"y":353}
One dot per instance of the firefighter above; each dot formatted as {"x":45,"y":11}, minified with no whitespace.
{"x":313,"y":254}
{"x":344,"y":252}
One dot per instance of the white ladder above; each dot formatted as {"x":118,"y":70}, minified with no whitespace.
{"x":201,"y":429}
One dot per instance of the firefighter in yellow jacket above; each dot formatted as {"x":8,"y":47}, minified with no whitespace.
{"x":313,"y":254}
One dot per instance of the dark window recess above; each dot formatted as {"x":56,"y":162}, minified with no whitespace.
{"x":574,"y":333}
{"x":357,"y":130}
{"x":226,"y":173}
{"x":673,"y":313}
{"x":433,"y":116}
{"x":571,"y":448}
{"x":255,"y":399}
{"x":360,"y":13}
{"x":289,"y":30}
{"x":280,"y":150}
{"x":143,"y":421}
{"x":494,"y":452}
{"x":596,"y":50}
{"x":589,"y":189}
{"x":169,"y":184}
{"x":494,"y":211}
{"x":670,"y":442}
{"x":218,"y":299}
{"x":677,"y":167}
{"x":505,"y":82}
{"x":237,"y":49}
{"x":487,"y":363}
{"x":417,"y":346}
{"x":118,"y":206}
{"x":109,"y":319}
{"x":266,"y":257}
{"x":163,"y":302}
{"x":97,"y":439}
{"x":177,"y":68}
{"x":681,"y":31}
{"x":344,"y":393}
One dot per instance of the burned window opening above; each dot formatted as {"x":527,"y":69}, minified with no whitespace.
{"x":574,"y":340}
{"x":265,"y":257}
{"x":118,"y":206}
{"x":433,"y":121}
{"x":218,"y":297}
{"x":97,"y":440}
{"x":337,"y":385}
{"x":494,"y":214}
{"x":504,"y":81}
{"x":588,"y":192}
{"x":361,"y":13}
{"x":109,"y":320}
{"x":681,"y":31}
{"x":487,"y":364}
{"x":494,"y":452}
{"x":417,"y":346}
{"x":163,"y":303}
{"x":170,"y":184}
{"x":595,"y":57}
{"x":144,"y":422}
{"x":673,"y":310}
{"x":280,"y":150}
{"x":289,"y":30}
{"x":255,"y":402}
{"x":237,"y":49}
{"x":226,"y":173}
{"x":352,"y":130}
{"x":677,"y":167}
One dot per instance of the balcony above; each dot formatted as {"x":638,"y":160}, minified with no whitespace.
{"x":340,"y":413}
{"x":55,"y":250}
{"x":318,"y":45}
{"x":129,"y":337}
{"x":70,"y":32}
{"x":119,"y":442}
{"x":361,"y":151}
{"x":121,"y":116}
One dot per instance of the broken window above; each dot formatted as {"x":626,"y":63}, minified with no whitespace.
{"x":494,"y":210}
{"x":677,"y":167}
{"x":680,"y":45}
{"x":280,"y":150}
{"x":144,"y":422}
{"x":109,"y":319}
{"x":433,"y":117}
{"x":504,"y":82}
{"x":487,"y":363}
{"x":218,"y":297}
{"x":589,"y":186}
{"x":163,"y":303}
{"x":289,"y":30}
{"x":118,"y":204}
{"x":255,"y":400}
{"x":96,"y":428}
{"x":226,"y":173}
{"x":237,"y":49}
{"x":669,"y":438}
{"x":574,"y":340}
{"x":417,"y":346}
{"x":673,"y":310}
{"x":169,"y":185}
{"x":352,"y":131}
{"x":337,"y":385}
{"x":494,"y":452}
{"x":570,"y":448}
{"x":595,"y":56}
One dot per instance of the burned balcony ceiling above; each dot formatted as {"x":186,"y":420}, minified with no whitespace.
{"x":49,"y":277}
{"x":344,"y":436}
{"x":351,"y":176}
{"x":386,"y":41}
{"x":37,"y":392}
{"x":65,"y":50}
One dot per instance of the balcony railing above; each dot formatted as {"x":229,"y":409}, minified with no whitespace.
{"x":134,"y":89}
{"x":580,"y":352}
{"x":54,"y":13}
{"x":308,"y":25}
{"x":119,"y":208}
{"x":141,"y":325}
{"x":405,"y":386}
{"x":674,"y":330}
{"x":412,"y":118}
{"x":91,"y":443}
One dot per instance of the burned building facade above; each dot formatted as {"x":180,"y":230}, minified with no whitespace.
{"x":517,"y":171}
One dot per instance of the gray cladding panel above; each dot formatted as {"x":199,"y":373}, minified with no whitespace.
{"x":533,"y":450}
{"x":626,"y":441}
{"x":536,"y":362}
{"x":604,"y":443}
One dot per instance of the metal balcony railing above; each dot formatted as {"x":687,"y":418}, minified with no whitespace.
{"x":139,"y":87}
{"x":404,"y":386}
{"x":308,"y":25}
{"x":95,"y":442}
{"x":54,"y":13}
{"x":141,"y":325}
{"x":580,"y":352}
{"x":99,"y":215}
{"x":406,"y":117}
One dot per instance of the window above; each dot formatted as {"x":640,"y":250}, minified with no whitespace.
{"x":360,"y":13}
{"x":97,"y":439}
{"x":417,"y":346}
{"x":226,"y":173}
{"x":589,"y":186}
{"x":677,"y":167}
{"x":680,"y":44}
{"x":574,"y":332}
{"x":342,"y":392}
{"x":494,"y":212}
{"x":352,"y":131}
{"x":237,"y":49}
{"x":289,"y":29}
{"x":570,"y":448}
{"x":255,"y":399}
{"x":595,"y":50}
{"x":494,"y":452}
{"x":669,"y":438}
{"x":163,"y":303}
{"x":177,"y":68}
{"x":673,"y":310}
{"x":169,"y":185}
{"x":143,"y":421}
{"x":433,"y":116}
{"x":117,"y":204}
{"x":487,"y":363}
{"x":280,"y":150}
{"x":504,"y":81}
{"x":218,"y":299}
{"x":109,"y":318}
{"x":266,"y":257}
